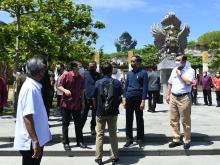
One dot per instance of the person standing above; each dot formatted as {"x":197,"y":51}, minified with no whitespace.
{"x":135,"y":95}
{"x":3,"y":94}
{"x":194,"y":92}
{"x":179,"y":98}
{"x":153,"y":89}
{"x":32,"y":129}
{"x":107,"y":97}
{"x":207,"y":89}
{"x":216,"y":83}
{"x":90,"y":77}
{"x":72,"y":86}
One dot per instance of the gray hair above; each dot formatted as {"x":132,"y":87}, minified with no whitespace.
{"x":34,"y":66}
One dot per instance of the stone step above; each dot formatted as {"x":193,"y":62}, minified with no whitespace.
{"x":148,"y":138}
{"x":148,"y":149}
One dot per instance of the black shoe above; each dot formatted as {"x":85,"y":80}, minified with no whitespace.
{"x":128,"y":143}
{"x":93,"y":132}
{"x":186,"y":146}
{"x":98,"y":161}
{"x":210,"y":105}
{"x":174,"y":144}
{"x":218,"y":106}
{"x":140,"y":143}
{"x":81,"y":145}
{"x":114,"y":161}
{"x":66,"y":147}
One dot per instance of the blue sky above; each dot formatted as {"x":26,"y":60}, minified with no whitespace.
{"x":137,"y":17}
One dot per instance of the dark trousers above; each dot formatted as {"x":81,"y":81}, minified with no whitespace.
{"x":1,"y":110}
{"x":218,"y":98}
{"x":153,"y":99}
{"x":66,"y":117}
{"x":131,"y":107}
{"x":88,"y":104}
{"x":194,"y":96}
{"x":207,"y":97}
{"x":27,"y":157}
{"x":58,"y":100}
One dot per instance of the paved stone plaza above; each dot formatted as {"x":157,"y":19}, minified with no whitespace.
{"x":205,"y":146}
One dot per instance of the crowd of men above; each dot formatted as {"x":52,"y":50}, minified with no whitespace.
{"x":78,"y":91}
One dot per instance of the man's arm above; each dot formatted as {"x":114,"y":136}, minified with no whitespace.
{"x":29,"y":124}
{"x":168,"y":93}
{"x":184,"y":78}
{"x":145,"y":90}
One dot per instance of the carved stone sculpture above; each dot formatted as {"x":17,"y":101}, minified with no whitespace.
{"x":170,"y":40}
{"x":125,"y":42}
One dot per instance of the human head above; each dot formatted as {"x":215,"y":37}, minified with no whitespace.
{"x":75,"y":66}
{"x":217,"y":74}
{"x":114,"y":67}
{"x":136,"y":61}
{"x":107,"y":69}
{"x":36,"y":68}
{"x":60,"y":68}
{"x":181,"y":61}
{"x":205,"y":73}
{"x":92,"y":66}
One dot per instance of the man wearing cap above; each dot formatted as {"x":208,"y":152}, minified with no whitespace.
{"x":179,"y":98}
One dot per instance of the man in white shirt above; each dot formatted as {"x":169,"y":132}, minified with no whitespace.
{"x":32,"y":129}
{"x":179,"y":98}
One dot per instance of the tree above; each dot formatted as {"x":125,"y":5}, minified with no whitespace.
{"x":125,"y":42}
{"x":209,"y":37}
{"x":196,"y":62}
{"x":17,"y":9}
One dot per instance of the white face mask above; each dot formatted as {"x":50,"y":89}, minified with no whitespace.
{"x":114,"y":71}
{"x":178,"y":64}
{"x":81,"y":71}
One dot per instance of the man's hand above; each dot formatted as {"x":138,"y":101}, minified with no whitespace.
{"x":37,"y":150}
{"x":168,"y":99}
{"x":124,"y":102}
{"x":178,"y":72}
{"x":67,"y":92}
{"x":142,"y":105}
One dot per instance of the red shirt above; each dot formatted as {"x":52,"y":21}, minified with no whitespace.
{"x":75,"y":84}
{"x":216,"y":82}
{"x":3,"y":92}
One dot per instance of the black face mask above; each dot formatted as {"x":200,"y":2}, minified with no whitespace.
{"x":92,"y":70}
{"x":133,"y":66}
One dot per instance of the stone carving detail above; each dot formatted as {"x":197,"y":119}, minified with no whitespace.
{"x":125,"y":42}
{"x":171,"y":39}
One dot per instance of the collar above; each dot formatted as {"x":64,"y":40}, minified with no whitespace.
{"x":34,"y":82}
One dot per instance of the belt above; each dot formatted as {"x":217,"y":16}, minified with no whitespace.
{"x":179,"y":95}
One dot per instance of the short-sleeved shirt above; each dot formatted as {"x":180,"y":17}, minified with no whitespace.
{"x":30,"y":102}
{"x":117,"y":92}
{"x":75,"y":84}
{"x":178,"y":85}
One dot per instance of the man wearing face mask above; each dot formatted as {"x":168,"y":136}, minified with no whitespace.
{"x":90,"y":77}
{"x":136,"y":88}
{"x":72,"y":86}
{"x":216,"y":82}
{"x":179,"y":98}
{"x":116,"y":74}
{"x":207,"y":88}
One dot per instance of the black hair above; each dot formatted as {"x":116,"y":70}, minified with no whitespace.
{"x":73,"y":64}
{"x":107,"y":68}
{"x":34,"y":66}
{"x":138,"y":58}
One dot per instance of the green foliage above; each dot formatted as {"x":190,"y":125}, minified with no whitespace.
{"x":196,"y":62}
{"x":209,"y":37}
{"x":60,"y":30}
{"x":215,"y":62}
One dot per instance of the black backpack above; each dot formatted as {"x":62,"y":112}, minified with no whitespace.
{"x":106,"y":95}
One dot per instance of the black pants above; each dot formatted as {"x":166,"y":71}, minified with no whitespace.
{"x":207,"y":97}
{"x":153,"y":99}
{"x":1,"y":111}
{"x":58,"y":100}
{"x":218,"y":97}
{"x":27,"y":157}
{"x":131,"y":107}
{"x":66,"y":117}
{"x":88,"y":104}
{"x":194,"y":96}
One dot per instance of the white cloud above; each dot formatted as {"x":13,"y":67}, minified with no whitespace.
{"x":115,"y":4}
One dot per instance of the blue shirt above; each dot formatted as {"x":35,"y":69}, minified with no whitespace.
{"x":90,"y":83}
{"x":117,"y":92}
{"x":136,"y":85}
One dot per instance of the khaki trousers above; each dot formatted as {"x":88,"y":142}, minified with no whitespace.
{"x":112,"y":128}
{"x":180,"y":109}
